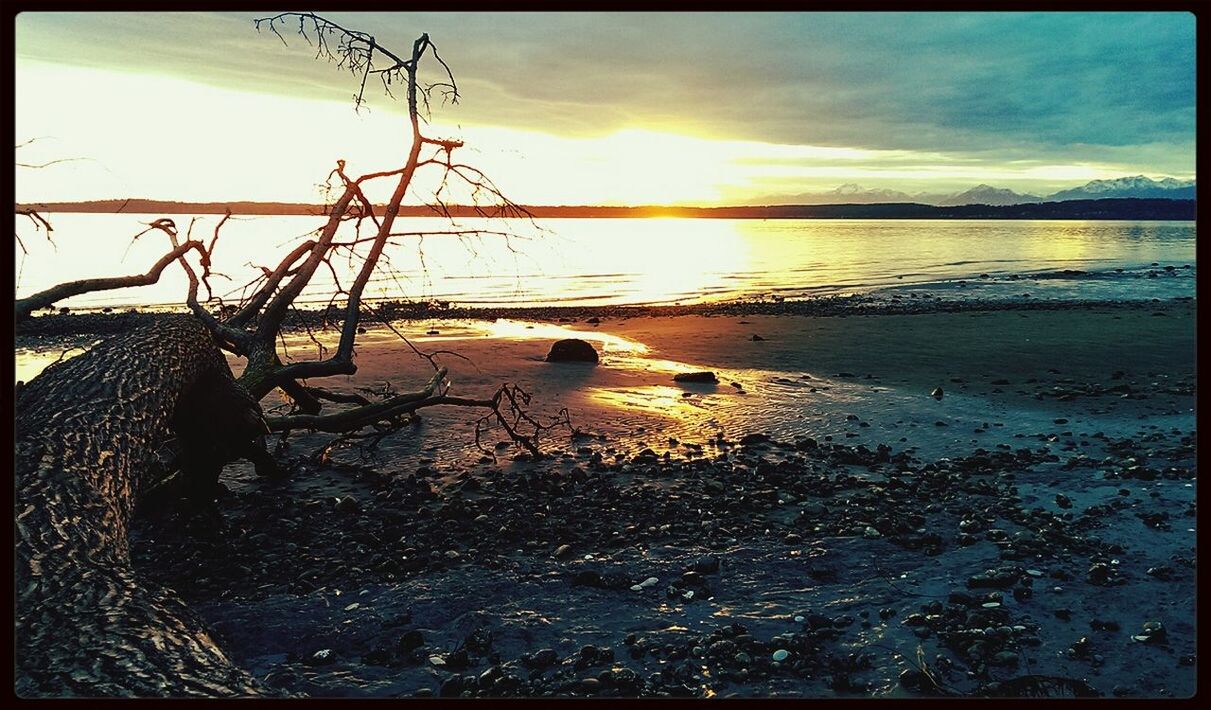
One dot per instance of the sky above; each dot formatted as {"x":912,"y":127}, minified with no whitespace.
{"x":612,"y":108}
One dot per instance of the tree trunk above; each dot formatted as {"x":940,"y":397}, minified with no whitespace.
{"x":87,"y":431}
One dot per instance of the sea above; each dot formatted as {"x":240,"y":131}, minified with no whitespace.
{"x":549,"y":262}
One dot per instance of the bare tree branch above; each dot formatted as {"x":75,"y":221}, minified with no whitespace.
{"x":22,"y":308}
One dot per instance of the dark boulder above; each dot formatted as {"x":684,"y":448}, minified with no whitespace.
{"x":572,"y":350}
{"x":701,"y":377}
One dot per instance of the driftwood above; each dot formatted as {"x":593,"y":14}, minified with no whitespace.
{"x":86,"y":438}
{"x":90,"y":428}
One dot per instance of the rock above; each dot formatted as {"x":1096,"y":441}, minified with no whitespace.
{"x":912,"y":679}
{"x":1080,"y":649}
{"x":1063,"y":501}
{"x":750,"y":439}
{"x":451,"y":688}
{"x":781,"y":655}
{"x":410,"y":640}
{"x":708,"y":564}
{"x":572,"y":350}
{"x":937,"y":393}
{"x":588,"y":578}
{"x":1000,"y":578}
{"x":562,"y":550}
{"x":757,"y":338}
{"x":543,"y":658}
{"x":701,"y":377}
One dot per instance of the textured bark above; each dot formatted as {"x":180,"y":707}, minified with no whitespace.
{"x":87,"y":432}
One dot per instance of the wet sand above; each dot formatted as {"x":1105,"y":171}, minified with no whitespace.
{"x":808,"y":529}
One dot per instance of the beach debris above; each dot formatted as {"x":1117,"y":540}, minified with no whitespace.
{"x":700,"y":377}
{"x":572,"y":350}
{"x":1154,"y":632}
{"x":937,"y":393}
{"x":322,"y":657}
{"x":1040,"y":686}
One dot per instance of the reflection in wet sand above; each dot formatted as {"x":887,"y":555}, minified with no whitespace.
{"x":655,"y":399}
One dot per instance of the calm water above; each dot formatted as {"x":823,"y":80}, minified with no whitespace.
{"x":649,"y":261}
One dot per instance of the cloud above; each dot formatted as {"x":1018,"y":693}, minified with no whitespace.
{"x":1083,"y":87}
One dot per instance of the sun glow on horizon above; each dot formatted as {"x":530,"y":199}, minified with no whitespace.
{"x":165,"y":138}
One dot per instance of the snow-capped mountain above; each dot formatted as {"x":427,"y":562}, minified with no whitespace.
{"x":987,"y":195}
{"x":850,"y":192}
{"x":1136,"y":186}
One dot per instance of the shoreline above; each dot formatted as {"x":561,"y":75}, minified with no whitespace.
{"x":57,"y":324}
{"x":1044,"y":530}
{"x":1036,"y":520}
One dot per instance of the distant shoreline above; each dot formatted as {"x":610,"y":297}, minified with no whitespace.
{"x":1104,"y":209}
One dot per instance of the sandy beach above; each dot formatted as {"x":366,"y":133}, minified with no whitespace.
{"x":815,"y":524}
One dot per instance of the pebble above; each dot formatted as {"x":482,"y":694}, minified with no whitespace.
{"x":781,"y":655}
{"x":544,"y":657}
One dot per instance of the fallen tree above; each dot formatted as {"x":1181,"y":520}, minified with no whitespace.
{"x":159,"y":407}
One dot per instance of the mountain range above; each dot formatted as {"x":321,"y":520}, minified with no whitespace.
{"x":1137,"y":186}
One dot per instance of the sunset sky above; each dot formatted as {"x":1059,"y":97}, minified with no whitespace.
{"x":591,"y":108}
